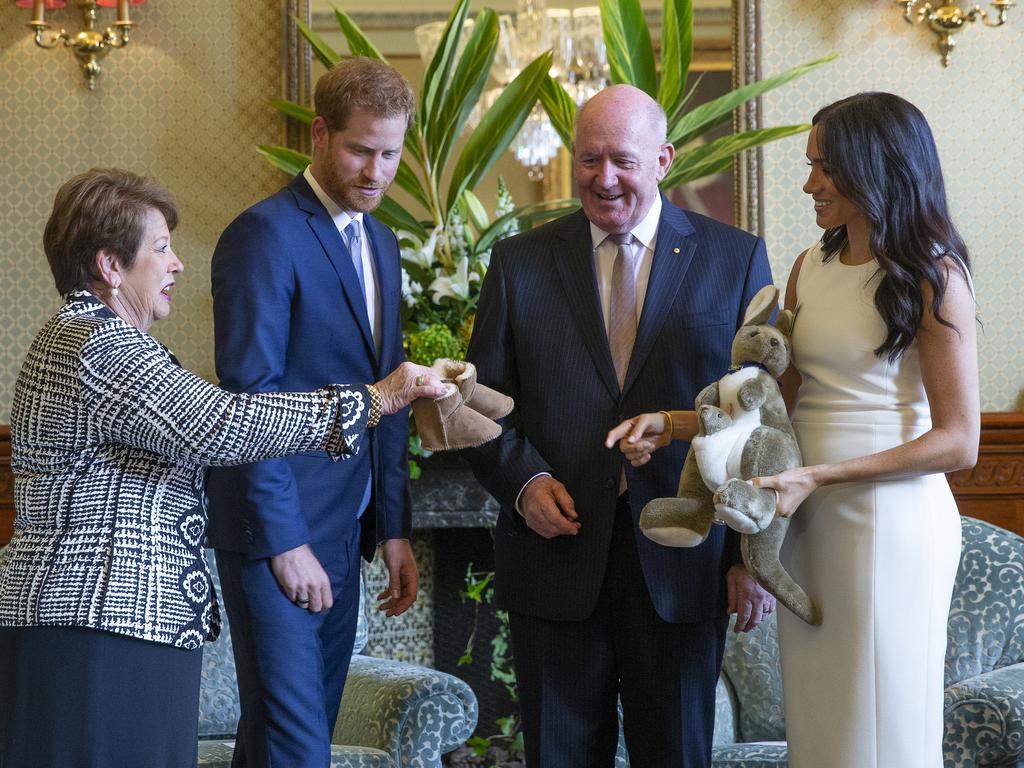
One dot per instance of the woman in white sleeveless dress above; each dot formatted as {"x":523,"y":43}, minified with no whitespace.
{"x":885,"y":386}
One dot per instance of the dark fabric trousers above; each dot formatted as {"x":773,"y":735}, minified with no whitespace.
{"x":570,"y":674}
{"x":291,"y":663}
{"x":73,"y":697}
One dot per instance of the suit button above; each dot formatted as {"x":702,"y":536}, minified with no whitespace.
{"x":609,"y":483}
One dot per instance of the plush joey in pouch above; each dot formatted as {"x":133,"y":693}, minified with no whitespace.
{"x":465,"y":415}
{"x":743,"y":432}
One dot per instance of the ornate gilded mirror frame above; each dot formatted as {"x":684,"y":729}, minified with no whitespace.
{"x":746,"y":68}
{"x":298,"y":67}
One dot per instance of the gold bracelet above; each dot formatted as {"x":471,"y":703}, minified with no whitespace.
{"x":376,"y":407}
{"x":671,"y":426}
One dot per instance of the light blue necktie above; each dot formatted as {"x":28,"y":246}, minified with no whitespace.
{"x":355,"y":249}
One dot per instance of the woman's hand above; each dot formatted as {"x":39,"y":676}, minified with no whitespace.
{"x":793,"y":486}
{"x":640,"y":436}
{"x":404,"y":384}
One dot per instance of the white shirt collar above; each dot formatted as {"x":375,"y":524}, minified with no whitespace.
{"x":341,"y":218}
{"x":646,"y":231}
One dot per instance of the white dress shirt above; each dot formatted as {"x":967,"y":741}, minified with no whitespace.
{"x":341,"y":220}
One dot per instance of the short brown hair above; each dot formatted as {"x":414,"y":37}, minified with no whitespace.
{"x":101,"y":209}
{"x":365,"y":84}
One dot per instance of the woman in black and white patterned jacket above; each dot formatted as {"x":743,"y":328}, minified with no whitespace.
{"x":105,"y":596}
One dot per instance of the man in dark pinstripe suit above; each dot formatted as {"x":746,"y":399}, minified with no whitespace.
{"x":597,"y":611}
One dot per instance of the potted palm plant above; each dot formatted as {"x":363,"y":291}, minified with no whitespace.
{"x":447,"y":234}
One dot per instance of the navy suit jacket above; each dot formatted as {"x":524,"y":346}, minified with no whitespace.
{"x":289,"y":315}
{"x":539,"y":336}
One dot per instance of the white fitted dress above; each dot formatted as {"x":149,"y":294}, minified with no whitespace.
{"x":864,"y":690}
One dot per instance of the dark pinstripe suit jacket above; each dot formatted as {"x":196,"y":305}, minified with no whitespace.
{"x":539,"y":337}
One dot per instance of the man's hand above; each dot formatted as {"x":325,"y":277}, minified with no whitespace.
{"x":548,"y":508}
{"x":747,"y":599}
{"x":302,"y":579}
{"x":403,"y":578}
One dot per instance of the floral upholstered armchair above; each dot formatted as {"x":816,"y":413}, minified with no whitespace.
{"x":984,"y":696}
{"x":393,"y":714}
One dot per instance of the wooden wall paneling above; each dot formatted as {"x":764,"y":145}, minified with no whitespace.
{"x":993,"y":489}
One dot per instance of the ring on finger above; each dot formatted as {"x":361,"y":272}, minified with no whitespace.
{"x":421,"y":380}
{"x":302,"y":601}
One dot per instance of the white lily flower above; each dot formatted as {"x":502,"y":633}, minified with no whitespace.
{"x":455,"y":286}
{"x":420,"y":253}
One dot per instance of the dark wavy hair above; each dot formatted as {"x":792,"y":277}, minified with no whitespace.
{"x":881,"y":156}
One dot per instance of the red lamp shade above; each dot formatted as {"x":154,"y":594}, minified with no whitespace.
{"x":112,"y":3}
{"x":49,"y":3}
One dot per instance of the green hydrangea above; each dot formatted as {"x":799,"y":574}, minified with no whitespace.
{"x":433,"y":342}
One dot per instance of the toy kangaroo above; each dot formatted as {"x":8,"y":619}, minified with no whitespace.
{"x":744,"y":432}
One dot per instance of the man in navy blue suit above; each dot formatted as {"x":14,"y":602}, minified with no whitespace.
{"x":627,"y":306}
{"x":306,"y":291}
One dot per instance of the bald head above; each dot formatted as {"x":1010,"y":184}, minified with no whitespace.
{"x":625,"y":104}
{"x":619,"y":156}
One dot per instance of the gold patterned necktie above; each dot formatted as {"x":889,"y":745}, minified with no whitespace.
{"x":622,"y":305}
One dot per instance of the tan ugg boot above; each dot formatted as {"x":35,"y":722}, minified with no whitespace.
{"x":447,"y":423}
{"x":489,"y":402}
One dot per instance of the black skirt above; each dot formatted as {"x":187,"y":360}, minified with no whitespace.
{"x":72,"y":697}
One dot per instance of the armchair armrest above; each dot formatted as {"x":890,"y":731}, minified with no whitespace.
{"x":984,"y":719}
{"x":414,"y":713}
{"x":726,"y":714}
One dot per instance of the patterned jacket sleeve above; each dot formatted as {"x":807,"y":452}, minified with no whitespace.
{"x":135,"y":394}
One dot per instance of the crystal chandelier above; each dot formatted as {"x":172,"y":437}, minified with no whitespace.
{"x":580,"y":64}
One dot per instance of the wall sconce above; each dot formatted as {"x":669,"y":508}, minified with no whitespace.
{"x":90,"y":45}
{"x":946,"y":20}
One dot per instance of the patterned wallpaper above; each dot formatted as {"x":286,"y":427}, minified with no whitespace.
{"x":409,"y":637}
{"x":185,"y":102}
{"x":976,"y":110}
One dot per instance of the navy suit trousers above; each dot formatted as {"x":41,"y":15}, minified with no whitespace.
{"x":291,"y":663}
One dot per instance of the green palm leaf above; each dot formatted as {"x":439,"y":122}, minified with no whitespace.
{"x":706,"y":116}
{"x":439,"y":70}
{"x":358,"y":43}
{"x":471,"y":73}
{"x":717,"y":155}
{"x":392,"y":215}
{"x":561,"y":109}
{"x":497,"y":128}
{"x":288,"y":160}
{"x":407,"y":179}
{"x":628,"y":42}
{"x":412,"y":140}
{"x":327,"y":55}
{"x":291,"y":109}
{"x":676,"y":53}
